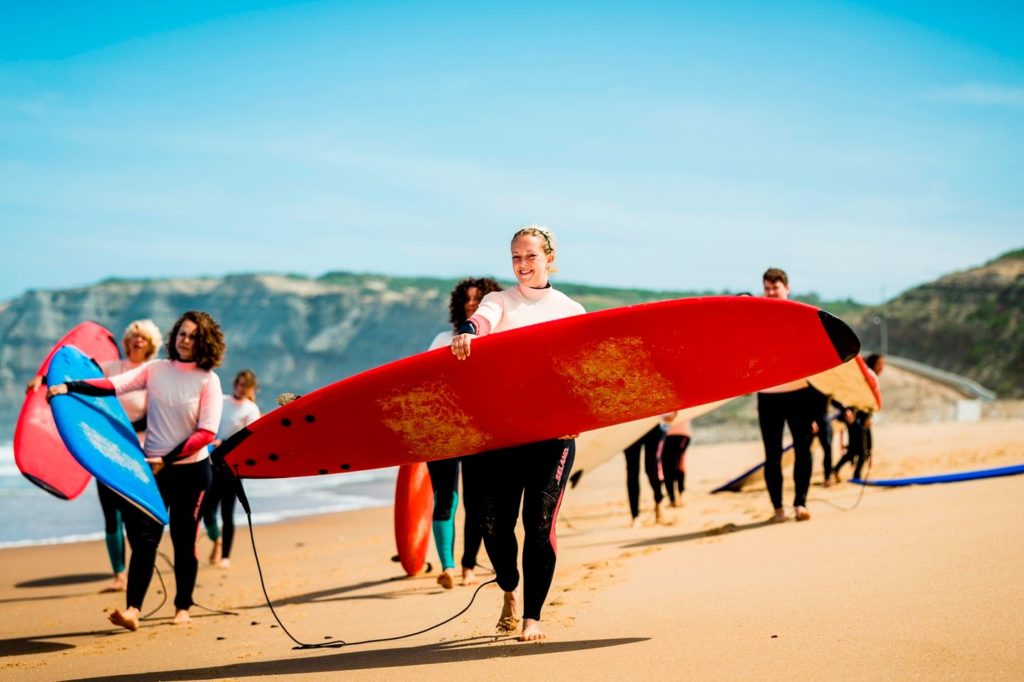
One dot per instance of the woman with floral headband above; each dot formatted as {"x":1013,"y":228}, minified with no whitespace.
{"x":534,"y":474}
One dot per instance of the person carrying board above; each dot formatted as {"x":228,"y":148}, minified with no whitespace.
{"x":182,"y":415}
{"x":532,"y":475}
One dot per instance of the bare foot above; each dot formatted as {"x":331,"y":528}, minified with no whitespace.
{"x":827,"y":483}
{"x":635,"y":523}
{"x":128,"y":619}
{"x":531,"y":631}
{"x":119,"y":585}
{"x":509,"y":621}
{"x":780,"y":516}
{"x":215,"y":552}
{"x":446,"y":579}
{"x":224,"y":563}
{"x":469,"y":577}
{"x":802,"y":514}
{"x":181,"y":617}
{"x":659,"y":515}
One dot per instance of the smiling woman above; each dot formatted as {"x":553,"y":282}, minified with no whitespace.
{"x":535,"y":473}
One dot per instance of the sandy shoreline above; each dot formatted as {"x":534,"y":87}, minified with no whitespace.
{"x":922,"y":582}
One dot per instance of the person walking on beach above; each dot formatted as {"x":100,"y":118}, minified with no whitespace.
{"x":240,"y":410}
{"x":673,"y":457}
{"x":791,"y":403}
{"x":535,"y":474}
{"x":141,"y":341}
{"x":183,"y":412}
{"x":651,"y":443}
{"x":444,"y":473}
{"x":858,"y":428}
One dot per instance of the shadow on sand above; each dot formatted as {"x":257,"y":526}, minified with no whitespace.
{"x":473,"y":649}
{"x":63,"y":580}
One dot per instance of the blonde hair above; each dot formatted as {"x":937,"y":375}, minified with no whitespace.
{"x":546,"y":236}
{"x":148,"y":330}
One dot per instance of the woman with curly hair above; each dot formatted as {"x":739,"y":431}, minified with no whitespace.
{"x":532,"y":475}
{"x":182,"y":413}
{"x":444,"y":474}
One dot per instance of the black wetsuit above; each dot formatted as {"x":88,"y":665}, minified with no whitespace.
{"x":534,"y":475}
{"x":444,"y":478}
{"x":774,"y":411}
{"x":651,"y":443}
{"x":222,"y":494}
{"x":858,"y":451}
{"x":673,"y":452}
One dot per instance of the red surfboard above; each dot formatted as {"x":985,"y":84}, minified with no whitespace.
{"x":39,"y":451}
{"x":544,"y":381}
{"x":414,"y":508}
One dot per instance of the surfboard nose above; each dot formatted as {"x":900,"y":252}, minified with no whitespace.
{"x":843,"y":339}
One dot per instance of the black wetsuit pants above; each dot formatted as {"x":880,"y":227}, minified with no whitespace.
{"x":182,"y":487}
{"x":824,"y":435}
{"x":222,"y":494}
{"x":444,"y":477}
{"x":651,"y":443}
{"x":673,"y":464}
{"x":774,"y":411}
{"x":859,"y":448}
{"x":534,"y":475}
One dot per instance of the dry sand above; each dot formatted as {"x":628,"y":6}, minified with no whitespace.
{"x":921,"y":582}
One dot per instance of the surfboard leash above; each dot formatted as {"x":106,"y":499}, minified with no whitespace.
{"x":334,"y":643}
{"x":218,"y":612}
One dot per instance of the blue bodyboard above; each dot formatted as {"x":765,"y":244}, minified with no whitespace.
{"x":945,"y":478}
{"x":96,"y":431}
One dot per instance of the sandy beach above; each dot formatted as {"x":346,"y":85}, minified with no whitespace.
{"x":917,"y":582}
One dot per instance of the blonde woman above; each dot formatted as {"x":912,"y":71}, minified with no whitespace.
{"x":534,"y":474}
{"x":140,"y":342}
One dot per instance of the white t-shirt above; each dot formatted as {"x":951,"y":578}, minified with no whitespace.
{"x":237,"y":414}
{"x":441,"y":340}
{"x":522,"y":306}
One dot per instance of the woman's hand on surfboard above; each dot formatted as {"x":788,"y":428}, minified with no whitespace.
{"x":461,"y":344}
{"x":59,"y":389}
{"x":34,"y":383}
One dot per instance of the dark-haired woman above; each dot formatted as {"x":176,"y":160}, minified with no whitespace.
{"x":534,"y":474}
{"x":182,"y":414}
{"x":444,"y":473}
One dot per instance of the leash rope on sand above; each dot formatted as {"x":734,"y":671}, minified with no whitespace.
{"x":338,"y":643}
{"x":194,"y":602}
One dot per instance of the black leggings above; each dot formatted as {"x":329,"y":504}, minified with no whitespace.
{"x":774,"y":411}
{"x":824,"y":435}
{"x":651,"y":443}
{"x":222,"y":494}
{"x":182,"y":487}
{"x":859,"y":449}
{"x":472,"y":502}
{"x":673,"y":464}
{"x":535,"y":475}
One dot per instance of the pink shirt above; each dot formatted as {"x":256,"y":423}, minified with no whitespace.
{"x":134,"y":402}
{"x":522,"y":306}
{"x":182,"y":400}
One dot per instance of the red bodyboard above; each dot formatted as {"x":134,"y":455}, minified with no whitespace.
{"x":544,"y":381}
{"x":414,"y":509}
{"x":39,"y":451}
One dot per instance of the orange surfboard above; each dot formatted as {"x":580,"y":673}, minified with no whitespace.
{"x":414,"y":507}
{"x":39,"y":451}
{"x":852,"y":383}
{"x":543,"y":381}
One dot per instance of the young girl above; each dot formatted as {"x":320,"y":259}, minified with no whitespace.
{"x":240,"y":410}
{"x":534,"y":474}
{"x":182,"y":413}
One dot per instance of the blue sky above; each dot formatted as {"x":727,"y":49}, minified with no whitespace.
{"x":864,"y":147}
